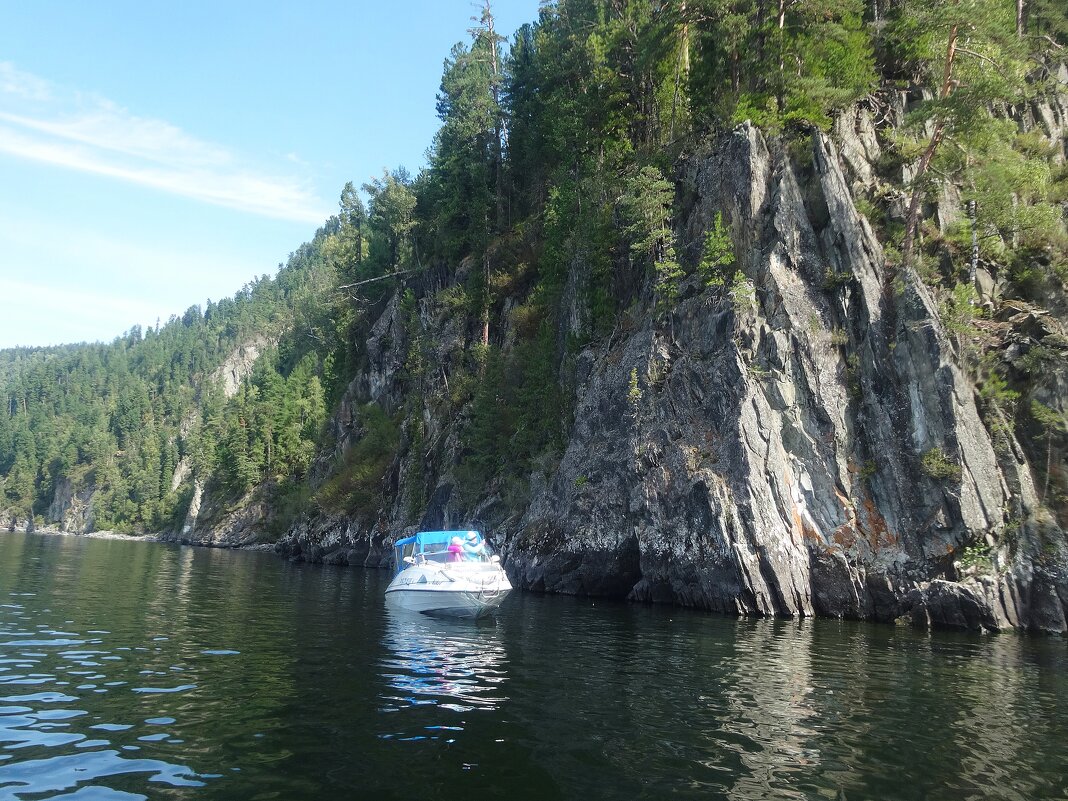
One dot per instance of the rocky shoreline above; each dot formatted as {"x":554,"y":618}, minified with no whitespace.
{"x":162,"y":538}
{"x":808,"y":447}
{"x":95,"y":535}
{"x":938,"y":604}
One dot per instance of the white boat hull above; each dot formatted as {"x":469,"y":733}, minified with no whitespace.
{"x":459,"y":590}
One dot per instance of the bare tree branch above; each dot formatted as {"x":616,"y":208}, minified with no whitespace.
{"x":981,"y":57}
{"x":372,"y":280}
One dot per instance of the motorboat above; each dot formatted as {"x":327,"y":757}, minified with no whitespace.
{"x":447,"y":573}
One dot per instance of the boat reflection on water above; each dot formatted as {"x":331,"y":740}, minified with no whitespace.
{"x":441,"y":669}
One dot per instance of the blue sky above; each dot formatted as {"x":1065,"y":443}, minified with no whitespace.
{"x":156,"y":155}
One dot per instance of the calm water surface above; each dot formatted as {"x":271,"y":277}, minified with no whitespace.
{"x":135,"y":670}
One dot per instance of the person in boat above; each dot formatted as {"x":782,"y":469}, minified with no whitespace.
{"x":456,"y":550}
{"x":474,"y":547}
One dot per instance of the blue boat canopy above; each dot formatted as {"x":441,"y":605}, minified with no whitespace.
{"x":425,"y":542}
{"x":432,"y":538}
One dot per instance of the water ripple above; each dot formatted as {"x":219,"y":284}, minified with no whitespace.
{"x":50,"y":740}
{"x":44,"y":698}
{"x":66,"y":772}
{"x":290,"y":681}
{"x":445,"y":668}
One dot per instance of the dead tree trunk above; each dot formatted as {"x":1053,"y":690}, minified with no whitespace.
{"x":912,"y":219}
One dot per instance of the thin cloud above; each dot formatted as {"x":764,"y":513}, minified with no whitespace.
{"x":94,"y":135}
{"x":21,"y":84}
{"x":108,"y":127}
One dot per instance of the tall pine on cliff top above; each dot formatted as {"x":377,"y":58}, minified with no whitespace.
{"x":968,"y":56}
{"x":791,"y":62}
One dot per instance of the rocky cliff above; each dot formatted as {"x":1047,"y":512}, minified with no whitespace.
{"x":807,"y":444}
{"x":774,"y":463}
{"x":209,"y":519}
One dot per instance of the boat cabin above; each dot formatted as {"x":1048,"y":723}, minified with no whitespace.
{"x":433,"y":546}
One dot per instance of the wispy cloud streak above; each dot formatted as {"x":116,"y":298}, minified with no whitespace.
{"x":22,"y":84}
{"x":41,"y":122}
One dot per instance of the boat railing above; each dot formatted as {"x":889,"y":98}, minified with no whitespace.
{"x":446,"y":558}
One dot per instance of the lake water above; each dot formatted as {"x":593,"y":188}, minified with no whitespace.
{"x":138,"y":670}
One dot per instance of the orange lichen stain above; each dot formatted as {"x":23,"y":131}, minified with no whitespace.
{"x":845,"y":535}
{"x":875,"y":530}
{"x":797,"y":533}
{"x":810,"y":533}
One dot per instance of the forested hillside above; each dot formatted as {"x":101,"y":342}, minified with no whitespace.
{"x":118,"y":419}
{"x":859,"y":207}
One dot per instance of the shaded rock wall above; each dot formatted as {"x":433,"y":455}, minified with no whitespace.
{"x":210,"y":520}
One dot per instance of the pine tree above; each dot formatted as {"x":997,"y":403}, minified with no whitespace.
{"x":967,"y":54}
{"x":717,"y":254}
{"x":646,"y":205}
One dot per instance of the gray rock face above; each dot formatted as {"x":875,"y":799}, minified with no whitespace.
{"x":238,"y":365}
{"x":71,"y":510}
{"x":337,"y":542}
{"x":773,"y":464}
{"x":221,"y":523}
{"x":207,"y":520}
{"x":772,"y":461}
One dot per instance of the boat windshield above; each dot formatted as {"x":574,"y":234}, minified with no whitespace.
{"x":441,"y":547}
